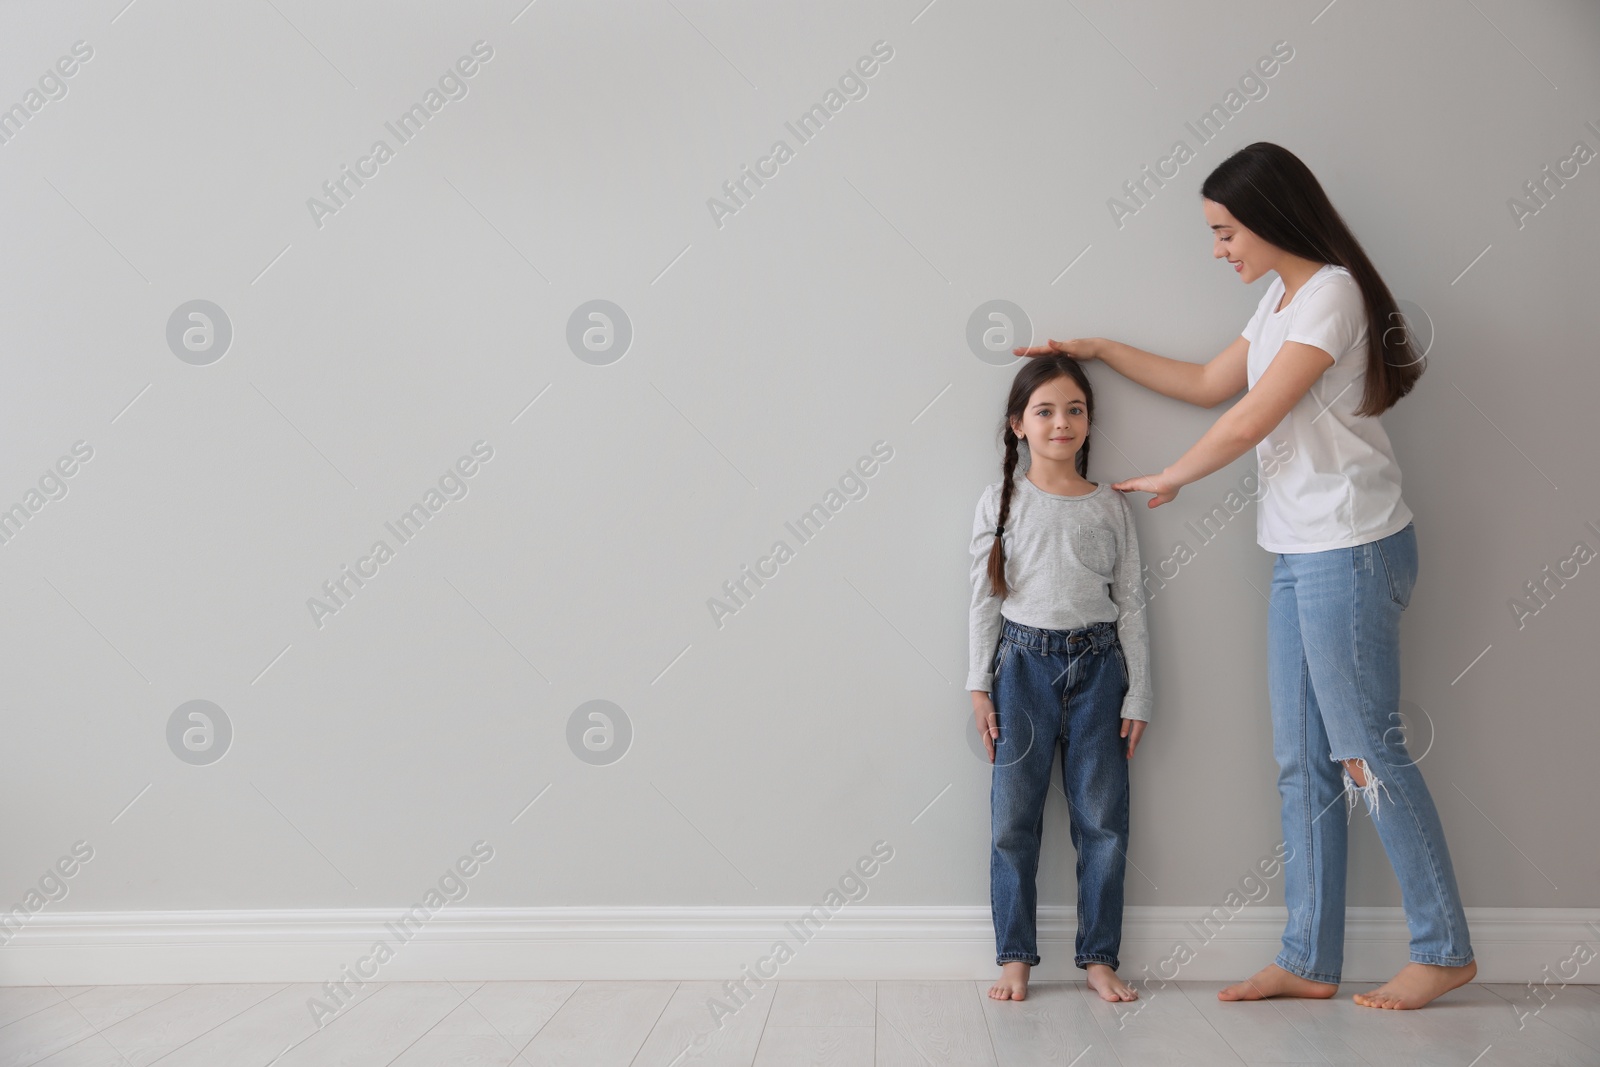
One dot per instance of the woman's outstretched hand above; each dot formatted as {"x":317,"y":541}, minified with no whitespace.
{"x":1080,"y":348}
{"x":1165,"y":491}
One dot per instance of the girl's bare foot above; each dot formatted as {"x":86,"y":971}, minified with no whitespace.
{"x":1274,"y":981}
{"x":1013,"y":981}
{"x":1103,"y":980}
{"x":1416,"y":985}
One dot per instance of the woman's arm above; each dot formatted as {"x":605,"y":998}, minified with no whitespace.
{"x":1203,"y":384}
{"x":1290,"y":375}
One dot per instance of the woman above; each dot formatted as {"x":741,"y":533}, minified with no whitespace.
{"x":1324,"y":354}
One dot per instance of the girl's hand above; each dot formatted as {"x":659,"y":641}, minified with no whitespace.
{"x":1133,"y":729}
{"x":1165,"y":489}
{"x":1081,"y":348}
{"x":985,"y":720}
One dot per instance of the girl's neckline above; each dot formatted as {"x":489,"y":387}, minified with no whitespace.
{"x":1285,"y":309}
{"x":1059,"y":496}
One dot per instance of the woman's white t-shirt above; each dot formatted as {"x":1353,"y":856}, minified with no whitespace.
{"x":1340,"y":485}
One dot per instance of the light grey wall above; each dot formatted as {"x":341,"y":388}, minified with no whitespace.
{"x":767,"y":356}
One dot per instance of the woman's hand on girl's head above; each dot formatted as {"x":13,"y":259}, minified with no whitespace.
{"x":1164,"y":489}
{"x":1079,"y":348}
{"x":1133,"y":729}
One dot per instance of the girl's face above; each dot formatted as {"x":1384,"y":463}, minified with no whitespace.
{"x":1056,"y":420}
{"x":1245,"y":252}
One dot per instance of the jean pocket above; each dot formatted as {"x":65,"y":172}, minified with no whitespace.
{"x":1122,"y":662}
{"x":1399,"y":555}
{"x":1000,"y":657}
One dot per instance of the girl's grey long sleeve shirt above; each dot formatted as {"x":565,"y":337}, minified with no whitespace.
{"x":1070,"y":561}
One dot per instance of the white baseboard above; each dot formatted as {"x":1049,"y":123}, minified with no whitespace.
{"x":857,"y":941}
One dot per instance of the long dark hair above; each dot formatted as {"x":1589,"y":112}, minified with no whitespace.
{"x":1274,"y":195}
{"x":1034,"y":373}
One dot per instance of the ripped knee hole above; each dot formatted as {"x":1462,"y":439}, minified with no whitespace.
{"x":1359,"y":779}
{"x":1357,"y":769}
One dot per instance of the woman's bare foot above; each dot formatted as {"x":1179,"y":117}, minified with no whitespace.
{"x":1013,"y":981}
{"x":1274,"y":981}
{"x":1103,"y":980}
{"x":1416,"y":985}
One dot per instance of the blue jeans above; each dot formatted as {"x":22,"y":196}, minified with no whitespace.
{"x":1059,"y":687}
{"x":1333,"y":671}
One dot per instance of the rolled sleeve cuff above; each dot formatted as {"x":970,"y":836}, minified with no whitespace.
{"x":1136,"y":708}
{"x":982,"y":683}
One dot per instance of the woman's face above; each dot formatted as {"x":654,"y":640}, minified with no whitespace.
{"x":1248,"y":254}
{"x":1056,"y":420}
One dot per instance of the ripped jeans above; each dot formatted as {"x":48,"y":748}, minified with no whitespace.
{"x":1333,"y":671}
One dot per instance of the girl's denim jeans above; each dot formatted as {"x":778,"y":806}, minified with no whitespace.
{"x":1333,"y":671}
{"x":1059,"y":688}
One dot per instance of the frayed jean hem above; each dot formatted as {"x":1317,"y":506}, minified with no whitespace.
{"x":1441,"y":961}
{"x":1306,"y":973}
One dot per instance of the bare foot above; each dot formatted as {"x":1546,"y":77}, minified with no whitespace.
{"x":1416,"y":985}
{"x":1274,"y":981}
{"x":1103,"y":980}
{"x":1012,"y":983}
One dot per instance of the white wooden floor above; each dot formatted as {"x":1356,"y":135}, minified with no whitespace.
{"x":890,"y":1023}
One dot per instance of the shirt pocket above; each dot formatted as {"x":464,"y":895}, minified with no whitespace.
{"x":1096,"y":548}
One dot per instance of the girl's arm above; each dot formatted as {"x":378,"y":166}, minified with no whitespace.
{"x":984,"y":621}
{"x":1128,"y":593}
{"x":1290,"y":375}
{"x":1203,"y":384}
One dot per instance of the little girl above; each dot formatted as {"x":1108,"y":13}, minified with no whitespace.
{"x":1058,"y":637}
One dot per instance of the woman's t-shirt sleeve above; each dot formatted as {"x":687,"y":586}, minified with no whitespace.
{"x":1332,"y":318}
{"x":1252,"y":329}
